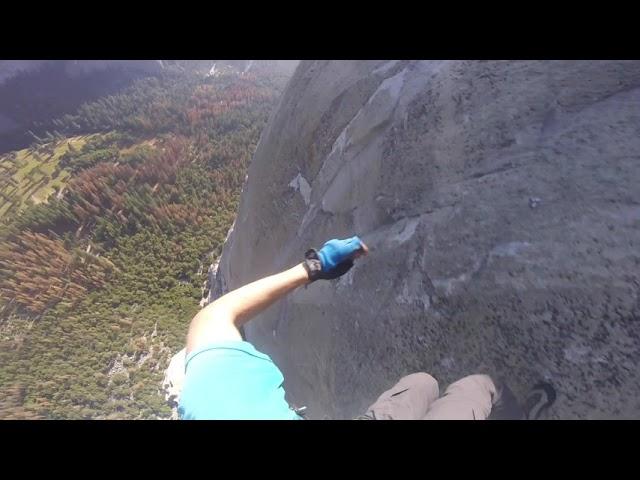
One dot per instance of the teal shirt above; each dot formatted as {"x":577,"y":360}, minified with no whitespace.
{"x":232,"y":381}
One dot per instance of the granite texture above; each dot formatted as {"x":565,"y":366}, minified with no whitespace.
{"x":501,"y":204}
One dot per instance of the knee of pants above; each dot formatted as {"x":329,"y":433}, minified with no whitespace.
{"x":420,"y":380}
{"x":421,"y":377}
{"x":408,"y":399}
{"x":473,"y":384}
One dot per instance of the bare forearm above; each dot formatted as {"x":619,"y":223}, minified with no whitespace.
{"x":222,"y":318}
{"x":246,"y":302}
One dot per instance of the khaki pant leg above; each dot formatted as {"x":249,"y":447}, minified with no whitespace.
{"x":409,"y":399}
{"x":470,"y":398}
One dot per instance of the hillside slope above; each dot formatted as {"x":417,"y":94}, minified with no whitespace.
{"x":107,"y":225}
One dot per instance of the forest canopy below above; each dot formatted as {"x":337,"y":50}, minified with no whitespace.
{"x":110,"y":219}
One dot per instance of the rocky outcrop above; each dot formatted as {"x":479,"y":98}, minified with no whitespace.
{"x":501,"y":205}
{"x":173,"y":380}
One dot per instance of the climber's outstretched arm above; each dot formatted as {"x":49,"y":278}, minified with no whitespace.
{"x":220,"y":320}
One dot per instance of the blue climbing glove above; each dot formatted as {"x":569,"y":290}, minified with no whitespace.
{"x":334,"y":259}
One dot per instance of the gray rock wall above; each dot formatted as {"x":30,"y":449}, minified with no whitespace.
{"x":501,"y":203}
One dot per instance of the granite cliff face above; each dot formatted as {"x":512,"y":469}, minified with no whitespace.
{"x":501,"y":204}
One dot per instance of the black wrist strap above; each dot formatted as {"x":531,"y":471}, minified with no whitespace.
{"x":312,"y":264}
